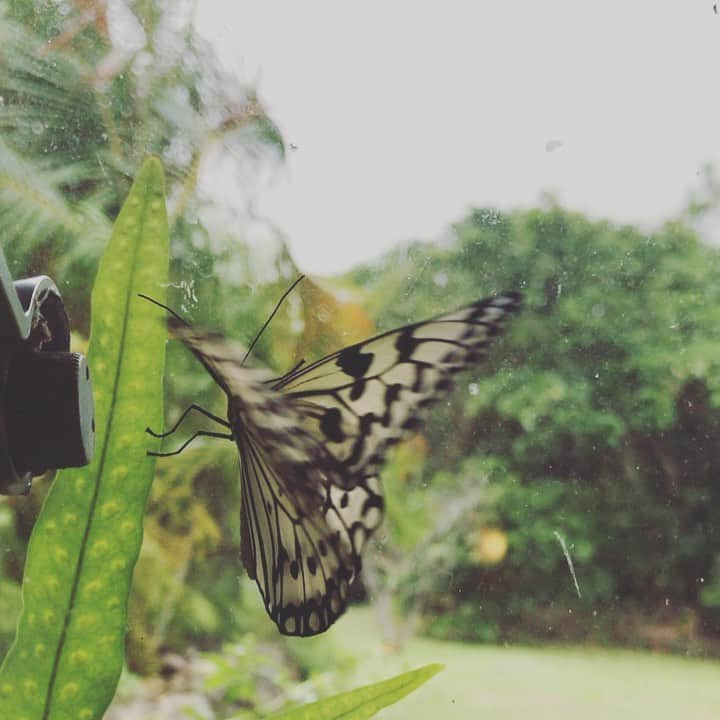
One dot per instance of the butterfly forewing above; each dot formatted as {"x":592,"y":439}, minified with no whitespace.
{"x":312,"y":443}
{"x":361,"y":400}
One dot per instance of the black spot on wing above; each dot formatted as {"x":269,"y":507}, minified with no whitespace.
{"x":405,"y":345}
{"x":373,"y":501}
{"x":354,"y":362}
{"x":330,"y":425}
{"x":357,"y":390}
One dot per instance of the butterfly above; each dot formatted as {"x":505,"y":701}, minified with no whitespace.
{"x":313,"y":441}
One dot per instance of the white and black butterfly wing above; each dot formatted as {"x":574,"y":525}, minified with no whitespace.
{"x":311,"y":445}
{"x":361,"y":400}
{"x":253,"y":406}
{"x":302,"y":535}
{"x":303,"y":545}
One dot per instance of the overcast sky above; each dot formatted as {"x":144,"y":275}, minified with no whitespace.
{"x":406,"y":114}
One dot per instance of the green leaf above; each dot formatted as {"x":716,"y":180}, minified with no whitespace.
{"x":69,"y":648}
{"x":365,"y":701}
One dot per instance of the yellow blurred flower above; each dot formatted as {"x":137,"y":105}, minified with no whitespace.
{"x":488,"y":546}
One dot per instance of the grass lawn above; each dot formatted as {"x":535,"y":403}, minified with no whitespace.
{"x":515,"y":683}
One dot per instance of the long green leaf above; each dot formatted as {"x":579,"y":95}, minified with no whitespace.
{"x":69,"y":648}
{"x":365,"y":701}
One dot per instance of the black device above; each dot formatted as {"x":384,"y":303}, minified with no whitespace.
{"x":46,"y":401}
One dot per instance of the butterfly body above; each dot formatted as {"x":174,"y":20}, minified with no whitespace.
{"x":312,"y":444}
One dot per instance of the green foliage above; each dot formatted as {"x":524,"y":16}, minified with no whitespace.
{"x":239,"y":670}
{"x":596,"y":416}
{"x":9,"y":609}
{"x":78,"y":113}
{"x":365,"y":701}
{"x":68,"y":653}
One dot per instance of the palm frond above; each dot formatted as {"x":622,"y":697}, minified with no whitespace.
{"x":34,"y":210}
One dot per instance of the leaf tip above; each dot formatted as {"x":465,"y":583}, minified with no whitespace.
{"x":429,"y":671}
{"x":152,"y":171}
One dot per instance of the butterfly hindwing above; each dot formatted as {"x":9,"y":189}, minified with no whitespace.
{"x":302,"y":545}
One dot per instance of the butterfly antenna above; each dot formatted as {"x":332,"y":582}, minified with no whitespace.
{"x":272,"y":315}
{"x":164,"y":307}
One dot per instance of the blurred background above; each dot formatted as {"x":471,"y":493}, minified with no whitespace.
{"x":553,"y":534}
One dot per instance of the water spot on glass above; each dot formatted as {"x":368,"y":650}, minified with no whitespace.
{"x":473,"y":388}
{"x":37,"y":127}
{"x":440,"y":279}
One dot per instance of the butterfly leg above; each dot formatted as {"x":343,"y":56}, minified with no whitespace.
{"x":199,"y":409}
{"x":199,"y":433}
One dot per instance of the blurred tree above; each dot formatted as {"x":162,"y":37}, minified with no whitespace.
{"x":596,"y":419}
{"x":83,"y":100}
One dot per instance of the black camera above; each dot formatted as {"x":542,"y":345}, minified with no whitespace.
{"x":46,"y":402}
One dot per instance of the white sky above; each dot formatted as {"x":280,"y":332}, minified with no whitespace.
{"x":406,"y":114}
